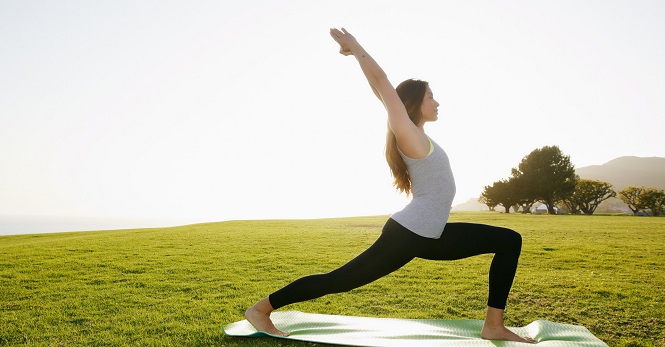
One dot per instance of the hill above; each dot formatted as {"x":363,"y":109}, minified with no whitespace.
{"x":470,"y":205}
{"x":628,"y":171}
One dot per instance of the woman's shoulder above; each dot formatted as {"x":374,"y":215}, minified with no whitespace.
{"x":416,"y":145}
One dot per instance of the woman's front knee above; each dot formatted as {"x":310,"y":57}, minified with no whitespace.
{"x":514,"y":239}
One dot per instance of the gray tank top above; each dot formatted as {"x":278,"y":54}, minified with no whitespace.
{"x":433,"y":190}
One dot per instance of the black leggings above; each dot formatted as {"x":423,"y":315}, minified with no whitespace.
{"x":397,"y":246}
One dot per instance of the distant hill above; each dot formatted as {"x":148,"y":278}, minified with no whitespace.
{"x":628,"y":171}
{"x":620,"y":172}
{"x":471,"y":205}
{"x":623,"y":172}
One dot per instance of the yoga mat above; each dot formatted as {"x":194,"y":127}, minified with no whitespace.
{"x":391,"y":332}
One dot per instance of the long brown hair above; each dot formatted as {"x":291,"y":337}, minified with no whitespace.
{"x":411,"y":92}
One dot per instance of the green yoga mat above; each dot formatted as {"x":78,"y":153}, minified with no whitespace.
{"x":390,"y":332}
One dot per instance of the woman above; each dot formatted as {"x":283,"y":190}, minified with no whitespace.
{"x":421,"y":168}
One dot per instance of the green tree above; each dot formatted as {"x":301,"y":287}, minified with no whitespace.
{"x":631,"y":197}
{"x":572,"y":205}
{"x":507,"y":194}
{"x":486,"y":198}
{"x":501,"y":193}
{"x":588,"y":195}
{"x":654,"y":200}
{"x":524,"y":199}
{"x":546,"y":175}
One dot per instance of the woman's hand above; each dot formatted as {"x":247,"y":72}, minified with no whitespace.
{"x":345,"y":40}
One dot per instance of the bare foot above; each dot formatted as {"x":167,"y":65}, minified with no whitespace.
{"x":502,"y":333}
{"x":259,"y":316}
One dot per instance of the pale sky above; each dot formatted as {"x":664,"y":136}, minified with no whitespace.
{"x":200,"y":111}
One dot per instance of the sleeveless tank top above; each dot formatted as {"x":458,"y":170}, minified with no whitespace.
{"x":433,"y":190}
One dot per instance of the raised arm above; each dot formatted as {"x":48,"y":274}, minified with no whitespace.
{"x":410,"y":138}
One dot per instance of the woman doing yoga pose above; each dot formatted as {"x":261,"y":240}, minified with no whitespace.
{"x":421,"y":168}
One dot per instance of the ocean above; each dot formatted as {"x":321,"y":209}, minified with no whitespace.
{"x":19,"y":225}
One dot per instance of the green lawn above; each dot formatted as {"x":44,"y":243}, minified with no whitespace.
{"x":178,"y":286}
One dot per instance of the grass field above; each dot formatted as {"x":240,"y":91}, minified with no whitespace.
{"x":178,"y":286}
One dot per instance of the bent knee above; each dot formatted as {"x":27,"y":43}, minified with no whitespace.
{"x":513,"y":240}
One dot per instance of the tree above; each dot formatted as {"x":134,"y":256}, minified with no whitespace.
{"x":654,"y":200}
{"x":631,"y":197}
{"x":523,"y":199}
{"x":485,"y":198}
{"x":572,"y":205}
{"x":546,"y":175}
{"x":588,"y":195}
{"x":502,"y":193}
{"x":507,"y":195}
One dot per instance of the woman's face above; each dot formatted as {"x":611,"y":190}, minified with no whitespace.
{"x":430,"y":107}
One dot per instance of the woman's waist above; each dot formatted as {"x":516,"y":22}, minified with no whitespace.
{"x":441,"y":194}
{"x":431,"y":203}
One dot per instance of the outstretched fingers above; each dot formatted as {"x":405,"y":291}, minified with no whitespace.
{"x":335,"y":33}
{"x":344,"y":39}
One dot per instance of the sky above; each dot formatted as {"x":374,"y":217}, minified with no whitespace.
{"x":200,"y":111}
